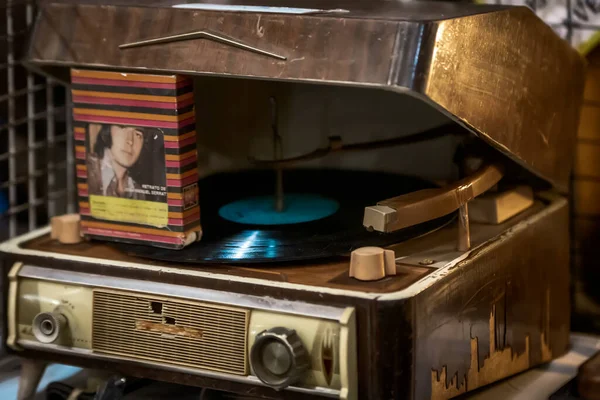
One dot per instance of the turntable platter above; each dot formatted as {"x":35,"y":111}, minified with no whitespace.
{"x":322,"y":218}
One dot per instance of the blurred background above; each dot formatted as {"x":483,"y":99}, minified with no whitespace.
{"x":36,"y":161}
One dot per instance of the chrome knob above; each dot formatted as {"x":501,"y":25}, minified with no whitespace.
{"x":47,"y":327}
{"x":278,"y":357}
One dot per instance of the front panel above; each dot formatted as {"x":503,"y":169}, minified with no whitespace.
{"x":197,"y":331}
{"x":171,"y":331}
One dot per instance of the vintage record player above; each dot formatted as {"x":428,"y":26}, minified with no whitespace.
{"x":382,"y":190}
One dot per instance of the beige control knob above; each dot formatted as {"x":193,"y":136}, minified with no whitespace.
{"x":372,"y":263}
{"x":47,"y":327}
{"x":65,"y":228}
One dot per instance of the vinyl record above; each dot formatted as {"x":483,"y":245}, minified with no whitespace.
{"x":322,"y":217}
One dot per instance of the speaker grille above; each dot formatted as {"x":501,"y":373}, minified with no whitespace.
{"x":171,"y":331}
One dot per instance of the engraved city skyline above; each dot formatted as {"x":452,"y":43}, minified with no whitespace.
{"x":500,"y":363}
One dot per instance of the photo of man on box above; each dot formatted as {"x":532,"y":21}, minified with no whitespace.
{"x":121,"y":159}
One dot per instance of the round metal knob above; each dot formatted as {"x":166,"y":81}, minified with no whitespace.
{"x":278,"y":357}
{"x":48,"y":326}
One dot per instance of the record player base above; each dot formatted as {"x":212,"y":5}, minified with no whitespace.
{"x":431,"y":332}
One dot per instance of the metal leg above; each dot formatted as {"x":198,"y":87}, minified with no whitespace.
{"x":31,"y":373}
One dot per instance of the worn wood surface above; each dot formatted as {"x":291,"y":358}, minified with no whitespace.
{"x":333,"y":274}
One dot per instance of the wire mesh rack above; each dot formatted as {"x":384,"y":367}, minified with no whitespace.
{"x":37,"y":176}
{"x":36,"y":157}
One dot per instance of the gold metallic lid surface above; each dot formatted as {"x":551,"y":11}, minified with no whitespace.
{"x":499,"y":71}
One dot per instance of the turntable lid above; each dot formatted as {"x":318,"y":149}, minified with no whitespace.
{"x":499,"y":71}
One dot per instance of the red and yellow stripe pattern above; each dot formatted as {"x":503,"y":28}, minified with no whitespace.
{"x":144,"y":100}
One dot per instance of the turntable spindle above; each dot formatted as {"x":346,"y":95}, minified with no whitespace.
{"x":278,"y":155}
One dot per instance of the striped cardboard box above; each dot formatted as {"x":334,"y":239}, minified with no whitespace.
{"x":136,"y":162}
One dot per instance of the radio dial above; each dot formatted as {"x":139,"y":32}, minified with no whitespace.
{"x":49,"y":326}
{"x":278,"y":357}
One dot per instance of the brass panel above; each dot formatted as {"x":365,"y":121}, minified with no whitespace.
{"x":512,"y":90}
{"x":170,"y":331}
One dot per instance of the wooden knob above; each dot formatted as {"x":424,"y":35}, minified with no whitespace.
{"x":372,"y":263}
{"x":65,"y":228}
